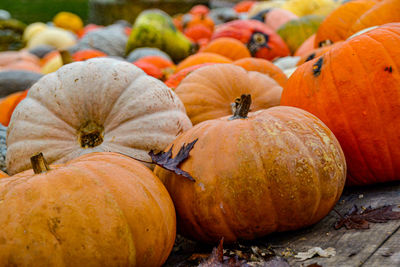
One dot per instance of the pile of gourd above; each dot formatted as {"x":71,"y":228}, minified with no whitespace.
{"x":288,"y":101}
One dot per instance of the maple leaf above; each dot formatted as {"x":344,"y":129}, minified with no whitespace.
{"x":165,"y":160}
{"x":358,"y":219}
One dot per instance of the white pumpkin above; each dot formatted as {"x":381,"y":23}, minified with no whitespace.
{"x":101,"y":104}
{"x":56,"y":37}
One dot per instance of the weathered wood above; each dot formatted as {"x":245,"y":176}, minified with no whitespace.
{"x":377,"y":246}
{"x":353,"y":247}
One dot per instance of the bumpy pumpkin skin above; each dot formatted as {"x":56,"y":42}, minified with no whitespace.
{"x":102,"y":209}
{"x":280,"y":169}
{"x":208,"y":92}
{"x":356,"y":93}
{"x":97,"y":105}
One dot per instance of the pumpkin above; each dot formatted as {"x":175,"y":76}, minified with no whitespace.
{"x":306,"y":47}
{"x":19,"y":60}
{"x":12,"y":81}
{"x":68,"y":21}
{"x":198,"y":32}
{"x":8,"y":104}
{"x":337,"y":25}
{"x":101,"y":209}
{"x":263,"y":66}
{"x":33,"y":29}
{"x":51,"y":62}
{"x":86,"y":54}
{"x":175,"y":79}
{"x":149,"y":69}
{"x":275,"y":17}
{"x":209,"y":92}
{"x":3,"y":148}
{"x":199,"y":20}
{"x":166,"y":67}
{"x":57,"y":37}
{"x":286,"y":63}
{"x":11,"y":31}
{"x":243,"y":6}
{"x":261,"y":41}
{"x":296,"y":31}
{"x":110,"y":40}
{"x":310,"y":7}
{"x":41,"y":50}
{"x":356,"y":93}
{"x":138,"y":53}
{"x":200,"y":58}
{"x":228,"y":47}
{"x":273,"y":170}
{"x":199,"y":10}
{"x":316,"y":53}
{"x":264,"y":5}
{"x":88,"y":28}
{"x":100,"y":104}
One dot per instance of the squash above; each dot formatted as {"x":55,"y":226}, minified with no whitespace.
{"x":306,"y":47}
{"x":273,"y":170}
{"x":222,"y":15}
{"x":101,"y":209}
{"x":12,"y":81}
{"x":68,"y":21}
{"x":311,"y":7}
{"x":32,"y":29}
{"x":86,"y":54}
{"x":8,"y":104}
{"x":228,"y":47}
{"x":296,"y":31}
{"x":209,"y":92}
{"x":138,"y":53}
{"x":41,"y":50}
{"x":175,"y":79}
{"x":57,"y":37}
{"x":11,"y":31}
{"x":275,"y":17}
{"x":198,"y":32}
{"x":356,"y":93}
{"x":100,"y":104}
{"x":200,"y":58}
{"x":3,"y":148}
{"x":261,"y":41}
{"x":19,"y":60}
{"x":110,"y":40}
{"x":263,"y":66}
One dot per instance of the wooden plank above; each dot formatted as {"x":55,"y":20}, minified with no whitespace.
{"x":388,"y":254}
{"x":353,"y":247}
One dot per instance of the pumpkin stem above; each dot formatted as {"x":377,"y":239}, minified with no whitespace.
{"x":90,"y":135}
{"x":241,"y":107}
{"x":39,"y":163}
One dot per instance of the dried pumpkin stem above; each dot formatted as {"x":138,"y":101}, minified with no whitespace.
{"x":241,"y":107}
{"x":66,"y":57}
{"x":39,"y":163}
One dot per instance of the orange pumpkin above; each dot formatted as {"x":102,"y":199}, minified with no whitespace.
{"x":101,"y":209}
{"x":174,"y":80}
{"x":200,"y":58}
{"x":19,"y":60}
{"x":316,"y":53}
{"x":244,"y":6}
{"x":273,"y":170}
{"x":199,"y":10}
{"x":82,"y":55}
{"x":200,"y":20}
{"x":263,"y":66}
{"x":337,"y":25}
{"x":3,"y":174}
{"x":197,"y":32}
{"x":8,"y":104}
{"x":228,"y":47}
{"x":354,"y":88}
{"x":209,"y":92}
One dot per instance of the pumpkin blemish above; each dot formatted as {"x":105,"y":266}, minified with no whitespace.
{"x":317,"y":67}
{"x":389,"y":69}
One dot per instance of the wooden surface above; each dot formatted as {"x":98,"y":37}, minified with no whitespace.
{"x":377,"y":246}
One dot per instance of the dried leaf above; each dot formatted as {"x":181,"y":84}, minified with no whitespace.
{"x":302,"y":256}
{"x":217,"y":259}
{"x":358,"y":219}
{"x":314,"y":265}
{"x":165,"y":160}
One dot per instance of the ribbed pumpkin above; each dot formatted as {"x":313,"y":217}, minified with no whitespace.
{"x":272,"y":170}
{"x":337,"y":25}
{"x":97,"y":105}
{"x":68,"y":21}
{"x":317,"y":52}
{"x":296,"y":31}
{"x":209,"y":92}
{"x":228,"y":47}
{"x":200,"y":58}
{"x":263,"y":66}
{"x":261,"y":41}
{"x":101,"y":209}
{"x":356,"y":93}
{"x":8,"y":104}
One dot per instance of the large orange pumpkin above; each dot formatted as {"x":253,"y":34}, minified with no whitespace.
{"x":209,"y":92}
{"x":101,"y":209}
{"x":272,"y":170}
{"x":97,"y":105}
{"x":8,"y":104}
{"x":356,"y":93}
{"x":228,"y":47}
{"x":337,"y":25}
{"x":200,"y":58}
{"x":316,"y":53}
{"x":263,"y":66}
